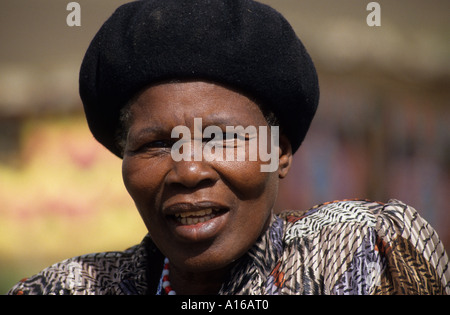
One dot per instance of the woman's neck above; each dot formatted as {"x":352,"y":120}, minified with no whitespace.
{"x":197,"y":283}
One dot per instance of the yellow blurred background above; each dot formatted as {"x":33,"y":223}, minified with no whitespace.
{"x":381,"y":132}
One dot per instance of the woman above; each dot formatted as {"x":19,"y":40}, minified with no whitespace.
{"x":168,"y":77}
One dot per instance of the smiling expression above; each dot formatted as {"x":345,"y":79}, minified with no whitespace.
{"x":202,"y":215}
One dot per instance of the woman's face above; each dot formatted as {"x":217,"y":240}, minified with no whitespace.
{"x":202,"y":215}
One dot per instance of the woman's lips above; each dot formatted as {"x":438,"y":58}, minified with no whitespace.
{"x":194,"y":222}
{"x":194,"y":217}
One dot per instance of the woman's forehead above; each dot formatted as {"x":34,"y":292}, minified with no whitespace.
{"x":180,"y":103}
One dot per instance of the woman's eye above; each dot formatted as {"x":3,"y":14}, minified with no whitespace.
{"x":227,"y":140}
{"x":158,"y":144}
{"x":235,"y":137}
{"x":227,"y":136}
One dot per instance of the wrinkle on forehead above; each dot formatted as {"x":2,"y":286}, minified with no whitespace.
{"x":187,"y":100}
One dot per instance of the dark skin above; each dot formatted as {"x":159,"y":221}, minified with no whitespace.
{"x":234,"y":199}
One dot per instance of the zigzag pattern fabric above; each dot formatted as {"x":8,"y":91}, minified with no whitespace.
{"x":342,"y":247}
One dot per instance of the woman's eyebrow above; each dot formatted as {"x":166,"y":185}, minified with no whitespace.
{"x":221,"y":121}
{"x":214,"y":120}
{"x":149,"y":131}
{"x":145,"y":131}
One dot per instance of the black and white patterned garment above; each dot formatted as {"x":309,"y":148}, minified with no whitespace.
{"x":342,"y":247}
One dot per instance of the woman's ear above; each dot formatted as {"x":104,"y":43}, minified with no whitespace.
{"x":285,"y":156}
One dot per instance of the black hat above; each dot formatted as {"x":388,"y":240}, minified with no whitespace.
{"x":239,"y":43}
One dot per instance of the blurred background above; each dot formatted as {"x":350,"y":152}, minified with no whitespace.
{"x":382,"y":130}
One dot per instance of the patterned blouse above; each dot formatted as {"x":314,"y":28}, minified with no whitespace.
{"x":341,"y":247}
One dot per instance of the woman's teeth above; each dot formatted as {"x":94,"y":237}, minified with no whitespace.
{"x":194,"y":217}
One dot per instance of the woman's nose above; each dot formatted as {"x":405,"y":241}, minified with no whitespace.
{"x":191,"y":174}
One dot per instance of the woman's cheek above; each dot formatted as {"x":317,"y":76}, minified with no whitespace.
{"x":142,"y":185}
{"x":138,"y":178}
{"x":244,"y":177}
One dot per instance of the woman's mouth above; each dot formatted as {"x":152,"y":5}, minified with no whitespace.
{"x":194,"y":217}
{"x":198,"y":221}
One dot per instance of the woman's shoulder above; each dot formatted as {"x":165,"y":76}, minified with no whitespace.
{"x":329,"y":214}
{"x":96,"y":273}
{"x":392,"y":231}
{"x":393,"y":217}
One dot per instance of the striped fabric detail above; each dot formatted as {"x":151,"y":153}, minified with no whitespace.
{"x":341,"y":247}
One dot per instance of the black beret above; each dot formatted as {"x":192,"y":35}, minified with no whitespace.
{"x":242,"y":44}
